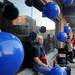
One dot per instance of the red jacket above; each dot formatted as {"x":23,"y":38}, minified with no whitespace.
{"x":73,"y":42}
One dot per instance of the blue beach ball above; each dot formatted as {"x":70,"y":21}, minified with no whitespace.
{"x":51,"y":10}
{"x":67,"y":29}
{"x":11,"y":54}
{"x":62,"y":36}
{"x":67,"y":2}
{"x":57,"y":70}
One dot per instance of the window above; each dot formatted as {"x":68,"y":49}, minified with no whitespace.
{"x":30,"y":19}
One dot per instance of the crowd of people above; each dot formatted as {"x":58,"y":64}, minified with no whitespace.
{"x":38,"y":60}
{"x":70,"y":44}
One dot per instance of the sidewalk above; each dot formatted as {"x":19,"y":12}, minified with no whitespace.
{"x":73,"y":71}
{"x":73,"y":68}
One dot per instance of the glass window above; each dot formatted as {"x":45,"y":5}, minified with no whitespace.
{"x":31,"y":19}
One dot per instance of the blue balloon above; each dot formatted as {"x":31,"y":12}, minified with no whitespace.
{"x":57,"y":70}
{"x":11,"y":54}
{"x":67,"y":2}
{"x":51,"y":10}
{"x":67,"y":29}
{"x":62,"y":36}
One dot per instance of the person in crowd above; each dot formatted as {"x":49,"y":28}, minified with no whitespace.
{"x":70,"y":50}
{"x":38,"y":58}
{"x":73,"y":43}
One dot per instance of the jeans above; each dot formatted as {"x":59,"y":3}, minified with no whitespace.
{"x":68,"y":70}
{"x":42,"y":69}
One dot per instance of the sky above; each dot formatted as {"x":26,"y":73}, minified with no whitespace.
{"x":34,"y":13}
